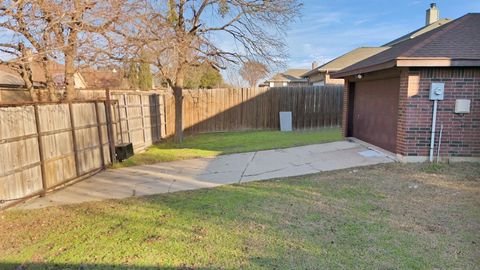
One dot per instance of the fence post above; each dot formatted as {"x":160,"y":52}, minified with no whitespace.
{"x":164,"y":119}
{"x":153,"y":112}
{"x":74,"y":138}
{"x":158,"y":117}
{"x":156,"y":112}
{"x":40,"y":151}
{"x":126,"y":117}
{"x":143,"y":120}
{"x":108,"y":115}
{"x":119,"y":119}
{"x":99,"y":127}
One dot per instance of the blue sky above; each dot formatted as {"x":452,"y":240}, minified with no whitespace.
{"x":328,"y":29}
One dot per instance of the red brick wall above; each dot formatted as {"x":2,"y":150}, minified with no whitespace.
{"x":461,"y":133}
{"x":402,"y":113}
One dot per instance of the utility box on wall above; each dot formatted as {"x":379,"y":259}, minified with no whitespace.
{"x":462,"y":106}
{"x":437,"y":90}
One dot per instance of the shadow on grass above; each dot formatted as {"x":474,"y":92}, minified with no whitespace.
{"x":256,"y":262}
{"x":69,"y":266}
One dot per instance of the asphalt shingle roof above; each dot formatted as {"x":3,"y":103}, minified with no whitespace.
{"x":289,"y":75}
{"x":418,"y":32}
{"x":346,"y":60}
{"x":457,"y":40}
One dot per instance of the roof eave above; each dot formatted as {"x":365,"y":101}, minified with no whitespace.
{"x":317,"y":71}
{"x":342,"y":74}
{"x":309,"y":73}
{"x":411,"y":62}
{"x":436,"y":62}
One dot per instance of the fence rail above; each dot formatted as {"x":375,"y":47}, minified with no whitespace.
{"x":212,"y":110}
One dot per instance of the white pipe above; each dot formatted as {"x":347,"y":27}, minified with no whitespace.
{"x":439,"y":142}
{"x":434,"y":123}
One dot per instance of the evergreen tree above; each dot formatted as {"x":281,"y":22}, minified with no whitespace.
{"x":145,"y":77}
{"x":133,"y":75}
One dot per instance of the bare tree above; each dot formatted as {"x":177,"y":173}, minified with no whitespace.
{"x":185,"y":33}
{"x":64,"y":31}
{"x":253,"y":71}
{"x":28,"y":42}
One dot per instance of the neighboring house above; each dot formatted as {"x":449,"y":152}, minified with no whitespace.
{"x":10,"y":78}
{"x":320,"y":76}
{"x":104,"y":79}
{"x":386,"y":100}
{"x":291,"y":77}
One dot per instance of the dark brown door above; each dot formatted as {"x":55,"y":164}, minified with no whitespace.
{"x":376,"y":112}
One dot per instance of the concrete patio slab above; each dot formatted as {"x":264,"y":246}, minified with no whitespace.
{"x":210,"y":172}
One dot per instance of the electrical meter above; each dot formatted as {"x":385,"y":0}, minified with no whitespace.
{"x":436,"y":91}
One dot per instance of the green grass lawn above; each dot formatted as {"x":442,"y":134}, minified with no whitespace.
{"x":391,"y":216}
{"x":213,"y":144}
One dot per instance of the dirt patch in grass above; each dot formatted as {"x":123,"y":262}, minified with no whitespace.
{"x":392,"y":216}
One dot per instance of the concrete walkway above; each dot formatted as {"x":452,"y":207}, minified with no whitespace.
{"x":210,"y":172}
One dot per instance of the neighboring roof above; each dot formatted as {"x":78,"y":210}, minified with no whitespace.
{"x":97,"y":79}
{"x":289,"y":75}
{"x":9,"y":77}
{"x":346,"y":60}
{"x":453,"y":44}
{"x":418,"y":32}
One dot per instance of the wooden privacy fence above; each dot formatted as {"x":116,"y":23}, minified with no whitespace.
{"x":45,"y":145}
{"x":141,"y":117}
{"x":210,"y":110}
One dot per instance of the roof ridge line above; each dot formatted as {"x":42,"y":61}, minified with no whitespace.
{"x":448,"y":27}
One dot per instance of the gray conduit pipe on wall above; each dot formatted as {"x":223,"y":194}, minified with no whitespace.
{"x":436,"y":94}
{"x":434,"y":123}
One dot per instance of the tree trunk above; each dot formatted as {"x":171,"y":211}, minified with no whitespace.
{"x":69,"y":74}
{"x":70,"y":52}
{"x":26,"y":72}
{"x":178,"y":94}
{"x":49,"y":81}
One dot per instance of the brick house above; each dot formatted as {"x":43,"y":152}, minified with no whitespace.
{"x":386,"y":97}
